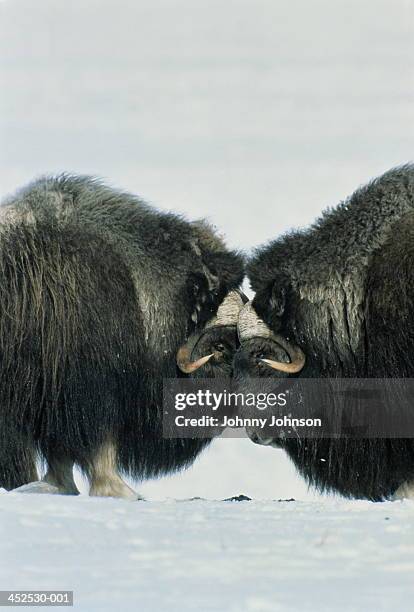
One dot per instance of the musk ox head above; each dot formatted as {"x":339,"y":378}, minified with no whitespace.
{"x":263,"y":352}
{"x":212,"y":302}
{"x":209,"y":351}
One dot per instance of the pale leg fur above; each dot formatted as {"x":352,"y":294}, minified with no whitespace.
{"x":104,"y":478}
{"x":405,"y":491}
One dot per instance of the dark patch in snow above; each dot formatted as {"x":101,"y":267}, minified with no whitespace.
{"x":238,"y":498}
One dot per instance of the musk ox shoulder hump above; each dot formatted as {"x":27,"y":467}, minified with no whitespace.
{"x":342,"y":238}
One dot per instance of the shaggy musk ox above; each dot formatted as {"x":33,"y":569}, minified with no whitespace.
{"x":98,"y":292}
{"x":337,"y":300}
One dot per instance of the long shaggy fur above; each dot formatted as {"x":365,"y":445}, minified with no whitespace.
{"x":97,"y":292}
{"x":343,"y":291}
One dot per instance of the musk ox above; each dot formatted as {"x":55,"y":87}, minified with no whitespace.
{"x":337,"y":300}
{"x":98,"y":292}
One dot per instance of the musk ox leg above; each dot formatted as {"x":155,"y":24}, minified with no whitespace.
{"x":58,"y":479}
{"x":60,"y":475}
{"x":405,"y":491}
{"x":104,"y":478}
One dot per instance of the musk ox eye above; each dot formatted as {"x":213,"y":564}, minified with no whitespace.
{"x":220,"y":347}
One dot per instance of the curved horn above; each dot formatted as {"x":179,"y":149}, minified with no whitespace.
{"x":296,"y":364}
{"x":250,"y":326}
{"x":184,"y":360}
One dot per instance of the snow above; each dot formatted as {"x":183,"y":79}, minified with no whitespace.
{"x":178,"y":556}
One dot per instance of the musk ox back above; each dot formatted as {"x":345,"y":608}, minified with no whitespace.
{"x":337,"y":300}
{"x":98,"y":291}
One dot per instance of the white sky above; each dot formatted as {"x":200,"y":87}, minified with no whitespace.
{"x":255,"y":113}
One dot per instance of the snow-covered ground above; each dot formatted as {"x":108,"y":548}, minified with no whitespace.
{"x":179,"y":556}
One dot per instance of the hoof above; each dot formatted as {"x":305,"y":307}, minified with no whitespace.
{"x":114,"y":488}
